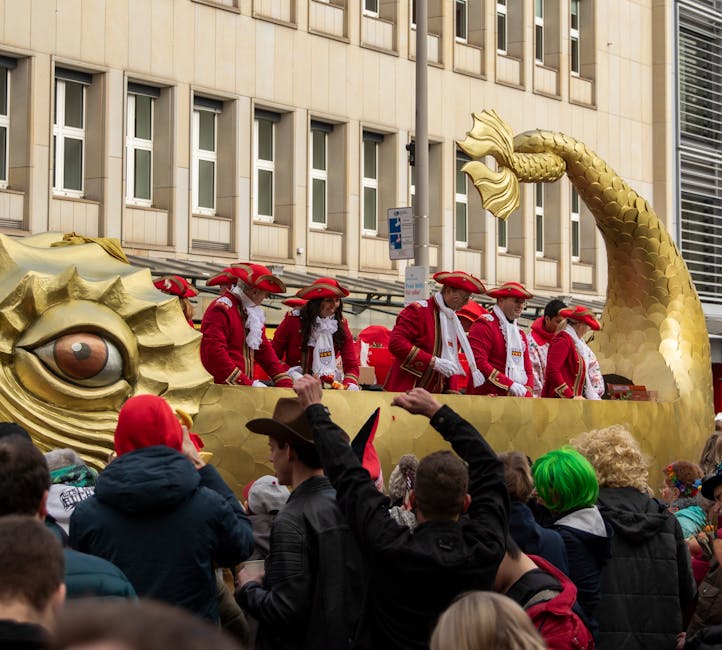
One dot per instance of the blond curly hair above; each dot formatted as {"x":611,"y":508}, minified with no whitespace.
{"x":616,"y":457}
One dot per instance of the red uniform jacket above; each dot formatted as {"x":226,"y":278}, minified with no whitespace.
{"x":224,"y":352}
{"x":489,"y":348}
{"x":287,"y":344}
{"x":566,"y":370}
{"x":415,"y":341}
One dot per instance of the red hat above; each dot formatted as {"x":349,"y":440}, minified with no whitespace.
{"x":375,"y":334}
{"x":580,"y":315}
{"x":510,"y":290}
{"x":259,"y":277}
{"x":146,"y":421}
{"x":323,"y":288}
{"x":460,"y":280}
{"x":228,"y":275}
{"x":294,"y":303}
{"x":175,"y":285}
{"x":471,"y":311}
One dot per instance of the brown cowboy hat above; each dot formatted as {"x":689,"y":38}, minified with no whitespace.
{"x":288,"y":423}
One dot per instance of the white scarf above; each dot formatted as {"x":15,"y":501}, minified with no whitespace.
{"x":451,"y":332}
{"x":585,"y":353}
{"x":515,"y":369}
{"x":255,"y":318}
{"x":321,"y":339}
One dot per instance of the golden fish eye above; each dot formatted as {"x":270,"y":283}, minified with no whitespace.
{"x":82,"y":358}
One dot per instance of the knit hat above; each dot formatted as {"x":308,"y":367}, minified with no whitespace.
{"x":460,"y":280}
{"x":146,"y":421}
{"x":323,"y":288}
{"x":267,"y":496}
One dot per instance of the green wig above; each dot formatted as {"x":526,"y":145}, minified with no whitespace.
{"x":565,"y":480}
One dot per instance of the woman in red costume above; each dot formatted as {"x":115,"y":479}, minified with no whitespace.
{"x":567,"y":371}
{"x":310,"y":338}
{"x":175,"y":285}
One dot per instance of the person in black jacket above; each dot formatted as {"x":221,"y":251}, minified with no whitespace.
{"x":161,"y":514}
{"x":648,"y":581}
{"x":416,"y":574}
{"x":311,"y":594}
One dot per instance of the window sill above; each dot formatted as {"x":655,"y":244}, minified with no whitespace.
{"x":146,"y":208}
{"x":218,"y":5}
{"x":203,"y":215}
{"x":74,"y":199}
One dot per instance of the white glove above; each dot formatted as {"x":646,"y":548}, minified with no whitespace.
{"x":353,"y":387}
{"x":295,"y":373}
{"x":258,"y":384}
{"x":444,"y":366}
{"x":517,"y":390}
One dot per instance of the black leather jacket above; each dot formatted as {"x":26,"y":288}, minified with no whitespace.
{"x":415,"y":575}
{"x":313,"y":589}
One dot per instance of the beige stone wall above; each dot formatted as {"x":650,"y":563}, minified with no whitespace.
{"x":329,"y":61}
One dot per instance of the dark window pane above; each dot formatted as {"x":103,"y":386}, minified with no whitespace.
{"x":461,"y":222}
{"x":206,"y":131}
{"x":575,"y":239}
{"x":143,"y":117}
{"x":265,"y":192}
{"x":501,"y":32}
{"x":74,"y":104}
{"x":369,"y":159}
{"x":319,"y":149}
{"x":539,"y":233}
{"x":539,"y":43}
{"x":370,"y":209}
{"x":539,"y":195}
{"x":461,"y":19}
{"x":460,"y":178}
{"x":142,"y":174}
{"x":265,"y":140}
{"x":575,"y":55}
{"x":73,"y":164}
{"x":206,"y":184}
{"x":3,"y":154}
{"x":3,"y":91}
{"x":575,"y":201}
{"x":318,"y":201}
{"x":501,"y":234}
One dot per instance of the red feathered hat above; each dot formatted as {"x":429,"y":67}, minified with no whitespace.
{"x":471,"y":311}
{"x":510,"y":290}
{"x":259,"y":277}
{"x":146,"y":421}
{"x":294,"y":303}
{"x":580,"y":315}
{"x":460,"y":280}
{"x":175,"y":285}
{"x":226,"y":276}
{"x":323,"y":288}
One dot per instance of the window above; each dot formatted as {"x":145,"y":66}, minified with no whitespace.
{"x":205,"y":158}
{"x":412,"y":12}
{"x":462,"y":20}
{"x":539,"y":218}
{"x":501,"y":235}
{"x":462,"y":204}
{"x":370,"y":182}
{"x":139,"y":144}
{"x":319,"y":173}
{"x":264,"y":144}
{"x":371,"y":7}
{"x":69,"y":132}
{"x":574,"y":36}
{"x":501,"y":26}
{"x":4,"y":124}
{"x":576,"y":244}
{"x":539,"y":31}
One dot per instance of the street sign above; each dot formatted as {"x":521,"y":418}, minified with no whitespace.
{"x":401,"y":233}
{"x":415,"y":284}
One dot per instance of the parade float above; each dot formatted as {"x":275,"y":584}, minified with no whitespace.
{"x":81,"y":331}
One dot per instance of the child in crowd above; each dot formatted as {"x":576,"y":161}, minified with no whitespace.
{"x":266,"y":496}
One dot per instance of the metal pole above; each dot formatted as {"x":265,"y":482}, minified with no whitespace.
{"x":421,"y":218}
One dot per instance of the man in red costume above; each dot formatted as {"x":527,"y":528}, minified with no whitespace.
{"x":541,"y":333}
{"x":233,"y":328}
{"x":426,"y":338}
{"x":566,"y":374}
{"x":500,"y":347}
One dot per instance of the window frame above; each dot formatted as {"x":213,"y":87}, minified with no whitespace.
{"x":60,"y":133}
{"x":575,"y":239}
{"x":539,"y":33}
{"x":319,"y":175}
{"x":373,"y":13}
{"x":261,"y":164}
{"x":199,"y":155}
{"x":371,"y":183}
{"x":5,"y":124}
{"x":575,"y":66}
{"x":539,"y":220}
{"x":501,"y":11}
{"x":134,"y":143}
{"x":465,"y":37}
{"x":461,"y":199}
